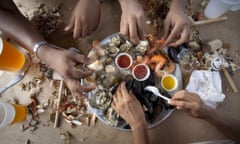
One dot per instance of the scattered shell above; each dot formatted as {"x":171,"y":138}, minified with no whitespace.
{"x":40,"y":111}
{"x":33,"y":123}
{"x":76,"y":122}
{"x":33,"y":128}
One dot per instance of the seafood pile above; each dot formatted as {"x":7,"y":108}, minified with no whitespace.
{"x":108,"y":75}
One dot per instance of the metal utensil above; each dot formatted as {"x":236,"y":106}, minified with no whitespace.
{"x":12,"y":82}
{"x":156,"y":92}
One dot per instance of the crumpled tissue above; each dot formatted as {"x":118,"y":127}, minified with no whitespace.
{"x":208,"y":85}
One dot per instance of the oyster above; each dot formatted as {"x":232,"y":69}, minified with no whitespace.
{"x":116,"y":41}
{"x":97,"y":65}
{"x":112,"y":51}
{"x":112,"y":117}
{"x":142,"y":47}
{"x":110,"y":69}
{"x":125,"y":47}
{"x":108,"y":80}
{"x":103,"y":98}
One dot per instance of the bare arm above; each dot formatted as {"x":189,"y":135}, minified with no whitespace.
{"x":15,"y":26}
{"x":228,"y":126}
{"x":192,"y":104}
{"x":130,"y":109}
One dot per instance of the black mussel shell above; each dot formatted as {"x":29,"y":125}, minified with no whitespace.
{"x":174,"y":51}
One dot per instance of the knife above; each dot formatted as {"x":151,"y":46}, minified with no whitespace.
{"x":12,"y":83}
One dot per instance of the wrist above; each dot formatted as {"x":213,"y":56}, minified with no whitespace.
{"x":38,"y":46}
{"x":45,"y":52}
{"x":126,"y":2}
{"x":139,"y":126}
{"x":209,"y":113}
{"x":178,"y":5}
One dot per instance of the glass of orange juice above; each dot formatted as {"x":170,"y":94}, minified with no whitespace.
{"x":20,"y":113}
{"x":11,"y":59}
{"x":12,"y":113}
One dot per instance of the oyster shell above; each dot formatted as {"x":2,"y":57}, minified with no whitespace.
{"x":116,"y":41}
{"x":142,"y":47}
{"x":97,"y":65}
{"x":103,"y":99}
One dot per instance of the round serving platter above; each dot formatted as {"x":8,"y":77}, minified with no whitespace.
{"x":165,"y":112}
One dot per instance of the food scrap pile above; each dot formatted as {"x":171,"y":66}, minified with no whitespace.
{"x":45,"y":20}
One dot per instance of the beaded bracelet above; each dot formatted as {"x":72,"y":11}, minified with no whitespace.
{"x":37,"y":46}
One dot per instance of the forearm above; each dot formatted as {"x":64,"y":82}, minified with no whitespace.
{"x":140,"y":134}
{"x":179,"y":5}
{"x":15,"y":26}
{"x":123,"y":3}
{"x":228,"y":126}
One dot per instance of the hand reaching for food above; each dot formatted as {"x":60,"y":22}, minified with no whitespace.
{"x":84,"y":19}
{"x":132,"y":20}
{"x":130,"y":109}
{"x":176,"y":25}
{"x":65,"y":63}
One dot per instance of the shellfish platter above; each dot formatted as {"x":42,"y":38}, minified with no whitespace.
{"x":115,"y":60}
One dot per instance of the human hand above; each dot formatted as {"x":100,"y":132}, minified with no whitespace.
{"x":191,"y":104}
{"x":176,"y":25}
{"x":65,"y":63}
{"x":132,"y":20}
{"x":128,"y":107}
{"x":85,"y":18}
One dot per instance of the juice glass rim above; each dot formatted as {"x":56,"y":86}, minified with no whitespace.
{"x":1,"y":45}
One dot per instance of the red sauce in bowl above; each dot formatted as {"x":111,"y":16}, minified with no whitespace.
{"x":124,"y":61}
{"x":140,"y":71}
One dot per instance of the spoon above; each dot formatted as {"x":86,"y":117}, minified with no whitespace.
{"x":12,"y":83}
{"x":156,"y":92}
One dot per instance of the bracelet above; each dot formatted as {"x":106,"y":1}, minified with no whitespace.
{"x":37,"y":46}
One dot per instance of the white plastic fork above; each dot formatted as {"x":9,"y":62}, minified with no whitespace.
{"x":156,"y":92}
